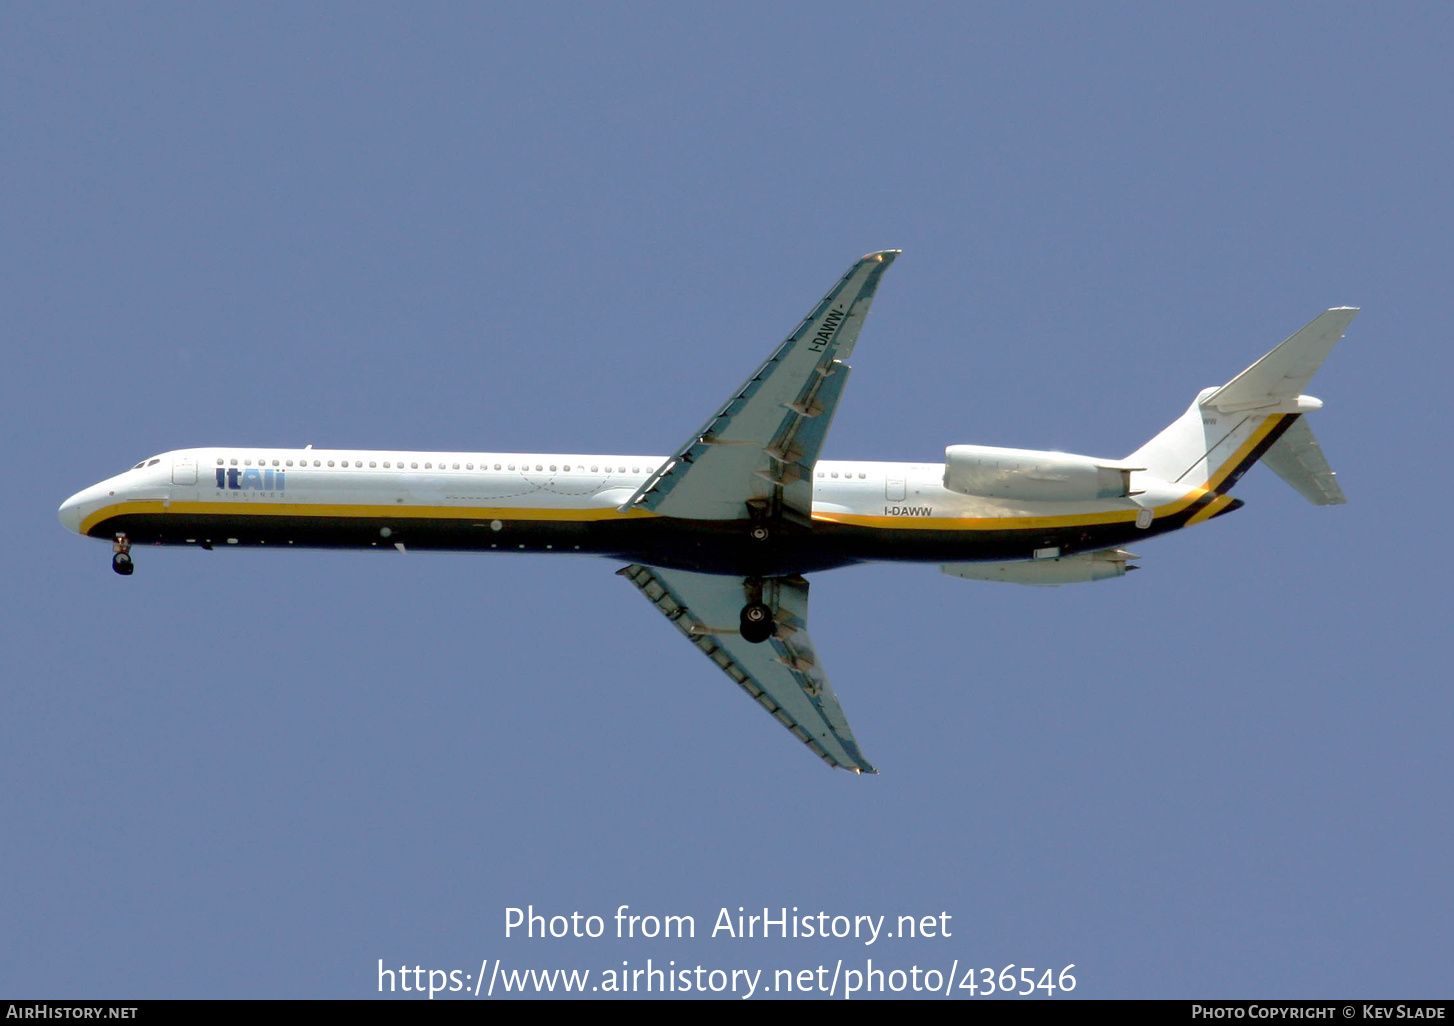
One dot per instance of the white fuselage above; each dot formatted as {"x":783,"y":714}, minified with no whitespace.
{"x":862,"y":510}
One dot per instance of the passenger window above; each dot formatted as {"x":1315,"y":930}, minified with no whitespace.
{"x":275,"y":463}
{"x":330,"y":463}
{"x":219,"y":461}
{"x":455,"y":467}
{"x":317,"y":464}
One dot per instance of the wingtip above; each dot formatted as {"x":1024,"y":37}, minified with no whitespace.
{"x":883,"y":256}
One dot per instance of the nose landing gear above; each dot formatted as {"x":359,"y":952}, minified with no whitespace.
{"x":121,"y":556}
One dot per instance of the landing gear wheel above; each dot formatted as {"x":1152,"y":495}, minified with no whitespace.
{"x":760,"y":533}
{"x":121,"y":554}
{"x":756,"y":623}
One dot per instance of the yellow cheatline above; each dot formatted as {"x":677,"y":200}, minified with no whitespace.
{"x":1210,"y":510}
{"x":308,"y":509}
{"x":1243,"y":450}
{"x":1010,"y":523}
{"x":976,"y":523}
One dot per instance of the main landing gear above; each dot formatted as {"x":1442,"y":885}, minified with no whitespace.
{"x":121,"y":556}
{"x":757,"y":623}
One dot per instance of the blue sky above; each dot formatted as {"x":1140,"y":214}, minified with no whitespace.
{"x":576,"y":228}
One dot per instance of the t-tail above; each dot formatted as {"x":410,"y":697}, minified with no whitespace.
{"x":1256,"y":415}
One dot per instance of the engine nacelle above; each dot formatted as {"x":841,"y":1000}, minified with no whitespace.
{"x":1032,"y":475}
{"x":1081,"y":568}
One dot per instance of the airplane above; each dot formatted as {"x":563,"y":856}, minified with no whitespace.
{"x":720,"y":534}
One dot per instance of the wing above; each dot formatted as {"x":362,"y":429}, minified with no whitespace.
{"x":782,"y":673}
{"x":762,"y":444}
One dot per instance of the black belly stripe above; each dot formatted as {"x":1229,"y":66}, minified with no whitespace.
{"x":703,"y":546}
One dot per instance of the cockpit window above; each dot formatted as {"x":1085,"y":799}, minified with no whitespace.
{"x":139,"y":465}
{"x":152,"y":463}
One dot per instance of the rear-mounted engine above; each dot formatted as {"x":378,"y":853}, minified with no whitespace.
{"x":1081,"y":568}
{"x":1036,"y":476}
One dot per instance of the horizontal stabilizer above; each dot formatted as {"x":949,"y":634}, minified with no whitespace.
{"x":1285,"y":372}
{"x":1298,"y":459}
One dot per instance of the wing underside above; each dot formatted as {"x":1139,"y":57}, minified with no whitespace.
{"x":781,"y":674}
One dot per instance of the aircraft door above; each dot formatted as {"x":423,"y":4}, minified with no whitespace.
{"x":184,"y":469}
{"x":894,"y":486}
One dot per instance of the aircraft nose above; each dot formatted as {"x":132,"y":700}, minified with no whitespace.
{"x":78,"y":507}
{"x":70,"y":512}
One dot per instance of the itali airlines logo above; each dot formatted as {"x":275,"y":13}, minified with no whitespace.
{"x":258,"y":478}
